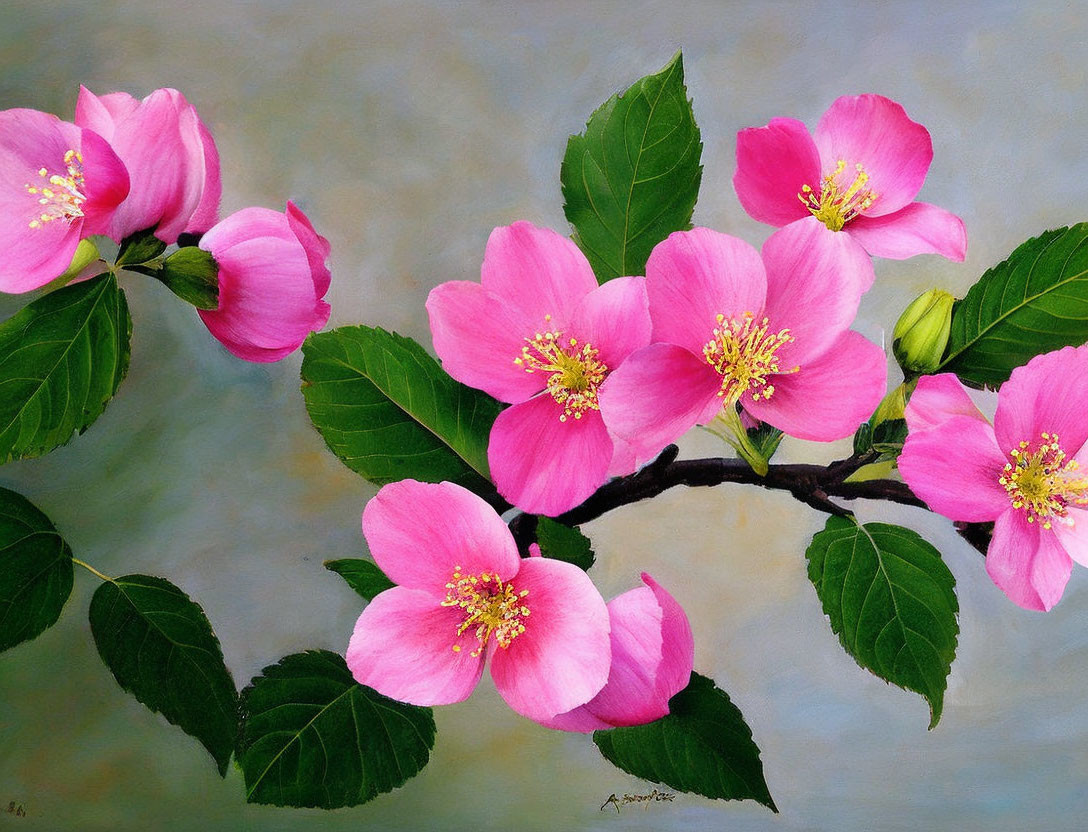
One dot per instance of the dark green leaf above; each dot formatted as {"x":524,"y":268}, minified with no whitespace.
{"x":891,"y":601}
{"x":312,"y":736}
{"x":765,"y":439}
{"x":632,"y":177}
{"x":62,"y":358}
{"x":160,"y":647}
{"x":703,"y":746}
{"x":1034,"y":302}
{"x":35,"y":571}
{"x":390,"y":412}
{"x":563,"y":543}
{"x":193,"y":275}
{"x":364,"y":576}
{"x":139,"y":248}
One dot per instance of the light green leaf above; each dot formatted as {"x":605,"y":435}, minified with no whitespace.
{"x":632,"y":177}
{"x":891,"y":601}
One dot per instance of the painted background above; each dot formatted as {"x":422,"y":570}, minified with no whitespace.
{"x":408,"y":130}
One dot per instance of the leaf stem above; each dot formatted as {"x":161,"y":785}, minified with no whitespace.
{"x":92,"y":570}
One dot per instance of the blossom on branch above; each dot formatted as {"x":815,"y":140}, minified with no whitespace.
{"x":272,"y":281}
{"x":58,"y":184}
{"x":464,"y":597}
{"x":539,"y":333}
{"x":858,"y":174}
{"x":1027,"y":472}
{"x":730,"y":327}
{"x":171,"y":159}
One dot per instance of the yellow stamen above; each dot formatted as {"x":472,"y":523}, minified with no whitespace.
{"x":744,"y":353}
{"x":1043,"y":483}
{"x":574,"y":370}
{"x":835,"y":206}
{"x":64,"y":200}
{"x":490,"y":605}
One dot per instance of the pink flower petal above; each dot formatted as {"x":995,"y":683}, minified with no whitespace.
{"x":935,"y":400}
{"x":614,"y":318}
{"x":815,"y":278}
{"x":624,"y":458}
{"x":418,"y":532}
{"x":402,"y":647}
{"x":678,"y":643}
{"x":876,"y":132}
{"x":656,"y":395}
{"x":1026,"y":562}
{"x":317,"y":247}
{"x":1073,"y":534}
{"x":919,"y":228}
{"x":694,"y":276}
{"x":578,"y":720}
{"x":543,"y":465}
{"x":773,"y":162}
{"x":830,"y":395}
{"x":536,"y":270}
{"x":561,"y":660}
{"x":101,"y":113}
{"x":955,"y":469}
{"x":1048,"y":394}
{"x":207,"y":210}
{"x":478,"y":335}
{"x":106,"y":183}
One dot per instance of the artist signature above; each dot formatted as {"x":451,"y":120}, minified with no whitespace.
{"x":19,"y":810}
{"x":644,"y":799}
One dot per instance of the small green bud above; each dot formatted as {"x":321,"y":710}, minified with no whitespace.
{"x":921,"y":332}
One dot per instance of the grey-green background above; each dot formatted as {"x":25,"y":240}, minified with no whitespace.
{"x":408,"y":130}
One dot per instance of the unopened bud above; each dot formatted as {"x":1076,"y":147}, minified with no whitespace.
{"x":921,"y":333}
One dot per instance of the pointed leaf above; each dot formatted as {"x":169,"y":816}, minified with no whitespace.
{"x":160,"y":647}
{"x":192,"y":274}
{"x":364,"y":576}
{"x":891,"y":601}
{"x":390,"y":412}
{"x":1034,"y":302}
{"x":703,"y":746}
{"x":632,"y":177}
{"x":35,"y":571}
{"x":62,"y":358}
{"x":563,"y":543}
{"x":312,"y":736}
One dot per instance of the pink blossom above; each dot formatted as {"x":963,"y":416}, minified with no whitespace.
{"x":730,"y":327}
{"x":1024,"y":471}
{"x":170,"y":155}
{"x":58,"y":184}
{"x":463,"y":598}
{"x":652,"y":657}
{"x":858,"y":174}
{"x":272,"y":281}
{"x":539,"y":333}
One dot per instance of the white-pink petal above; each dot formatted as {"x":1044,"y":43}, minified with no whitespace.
{"x":919,"y":228}
{"x":1027,"y":562}
{"x":614,"y":319}
{"x":935,"y":400}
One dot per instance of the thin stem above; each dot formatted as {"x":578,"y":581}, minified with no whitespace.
{"x":92,"y":570}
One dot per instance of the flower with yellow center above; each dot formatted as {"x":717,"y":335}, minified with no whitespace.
{"x":744,"y":353}
{"x":1043,"y":483}
{"x":837,"y":203}
{"x":491,"y":606}
{"x":59,"y":197}
{"x":574,"y":370}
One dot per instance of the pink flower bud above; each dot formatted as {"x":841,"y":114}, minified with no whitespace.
{"x":170,"y":156}
{"x":272,"y":278}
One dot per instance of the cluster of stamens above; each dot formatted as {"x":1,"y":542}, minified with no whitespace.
{"x":574,"y":370}
{"x":492,"y":606}
{"x":1043,"y":482}
{"x":744,"y":353}
{"x":60,"y":197}
{"x":835,"y":206}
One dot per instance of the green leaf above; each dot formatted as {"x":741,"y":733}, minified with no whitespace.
{"x":891,"y":601}
{"x":703,"y":746}
{"x":192,"y":274}
{"x":364,"y":576}
{"x":312,"y":736}
{"x":632,"y":177}
{"x":563,"y":542}
{"x":1034,"y":302}
{"x":390,"y":412}
{"x":139,"y":248}
{"x":62,"y":358}
{"x":160,"y":647}
{"x":35,"y":571}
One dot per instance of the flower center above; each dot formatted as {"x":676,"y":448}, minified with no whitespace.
{"x":59,"y":197}
{"x":744,"y":353}
{"x":836,"y":205}
{"x":1042,"y":482}
{"x":574,"y":371}
{"x":491,"y":606}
